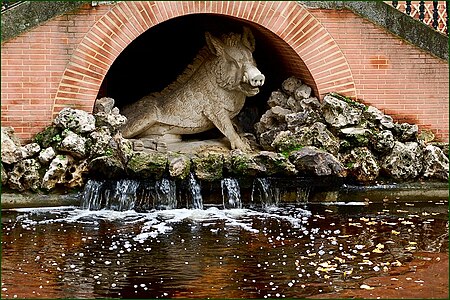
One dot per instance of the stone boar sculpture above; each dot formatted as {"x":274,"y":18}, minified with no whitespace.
{"x":210,"y":92}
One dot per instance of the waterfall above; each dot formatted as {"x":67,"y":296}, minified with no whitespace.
{"x":303,"y":194}
{"x":231,"y":193}
{"x":268,"y":195}
{"x":123,"y":195}
{"x":126,"y":194}
{"x":195,"y":193}
{"x":166,"y":195}
{"x":92,"y":198}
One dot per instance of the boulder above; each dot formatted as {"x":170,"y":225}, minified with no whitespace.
{"x":76,"y":120}
{"x":286,"y":142}
{"x":426,"y":136}
{"x":383,"y":141}
{"x":47,"y":155}
{"x":179,"y":166}
{"x":239,"y":164}
{"x":404,"y":162}
{"x":379,"y":119}
{"x":10,"y":146}
{"x":107,"y":115}
{"x":147,"y":165}
{"x":356,"y":136}
{"x":50,"y":136}
{"x":302,"y":92}
{"x":278,"y":98}
{"x":208,"y":166}
{"x":25,"y":175}
{"x":103,"y":105}
{"x":279,"y":113}
{"x":339,"y":113}
{"x":406,"y":132}
{"x":360,"y":164}
{"x":73,"y":144}
{"x":267,"y":122}
{"x":266,"y":138}
{"x":435,"y":163}
{"x":56,"y":172}
{"x":312,"y":161}
{"x":101,"y":138}
{"x":4,"y":176}
{"x":106,"y":167}
{"x":123,"y":147}
{"x":290,"y":85}
{"x":274,"y":163}
{"x":76,"y":174}
{"x":319,"y":136}
{"x":30,"y":150}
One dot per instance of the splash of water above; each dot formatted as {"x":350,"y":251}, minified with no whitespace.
{"x":231,"y":193}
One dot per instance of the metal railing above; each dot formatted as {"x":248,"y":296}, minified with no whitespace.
{"x":431,"y":13}
{"x":7,"y":4}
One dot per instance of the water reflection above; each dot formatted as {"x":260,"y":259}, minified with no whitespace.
{"x":263,"y":252}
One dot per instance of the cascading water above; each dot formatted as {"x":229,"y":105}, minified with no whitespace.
{"x":268,"y":195}
{"x":92,"y":197}
{"x":144,"y":196}
{"x":166,"y":194}
{"x":231,"y":193}
{"x":195,"y":192}
{"x":303,"y":194}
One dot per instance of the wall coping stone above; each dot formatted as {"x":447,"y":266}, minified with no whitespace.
{"x":30,"y":14}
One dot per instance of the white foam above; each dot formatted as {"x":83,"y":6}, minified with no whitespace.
{"x":160,"y":222}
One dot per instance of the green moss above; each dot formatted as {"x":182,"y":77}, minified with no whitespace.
{"x":293,"y":147}
{"x":349,"y":101}
{"x":48,"y":137}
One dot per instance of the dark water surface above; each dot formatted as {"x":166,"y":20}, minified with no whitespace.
{"x":273,"y":252}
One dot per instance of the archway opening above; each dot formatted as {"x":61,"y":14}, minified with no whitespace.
{"x":155,"y":59}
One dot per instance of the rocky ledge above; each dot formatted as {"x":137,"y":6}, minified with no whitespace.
{"x":297,"y":136}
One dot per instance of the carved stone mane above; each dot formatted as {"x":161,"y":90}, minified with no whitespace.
{"x":187,"y":73}
{"x":230,"y":39}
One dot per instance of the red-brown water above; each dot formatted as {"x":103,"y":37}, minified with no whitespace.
{"x":292,"y":251}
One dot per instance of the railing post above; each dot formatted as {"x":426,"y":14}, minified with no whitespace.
{"x":435,"y":15}
{"x":408,"y":8}
{"x":446,"y":16}
{"x":422,"y":11}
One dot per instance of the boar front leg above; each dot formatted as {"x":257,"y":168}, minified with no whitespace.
{"x":221,"y":120}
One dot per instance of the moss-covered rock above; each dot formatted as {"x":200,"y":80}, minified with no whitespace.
{"x":147,"y":165}
{"x":242,"y":164}
{"x":360,"y":164}
{"x":208,"y":166}
{"x":275,"y":164}
{"x":312,"y":161}
{"x":50,"y":136}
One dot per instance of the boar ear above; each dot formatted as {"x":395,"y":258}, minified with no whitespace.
{"x":214,"y":44}
{"x":248,"y":39}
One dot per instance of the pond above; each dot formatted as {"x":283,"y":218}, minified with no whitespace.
{"x":277,"y":250}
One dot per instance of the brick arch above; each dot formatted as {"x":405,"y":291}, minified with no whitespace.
{"x":125,"y":21}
